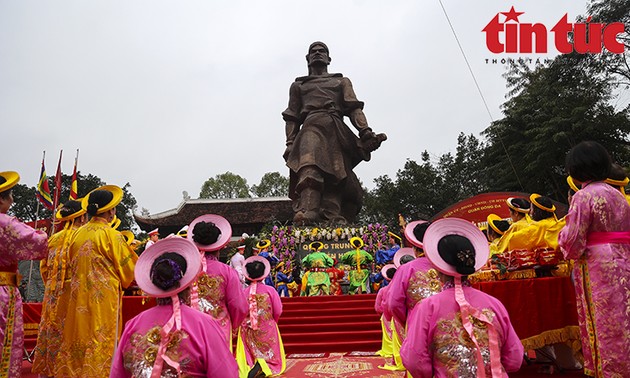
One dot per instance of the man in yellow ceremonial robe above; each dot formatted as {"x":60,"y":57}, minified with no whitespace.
{"x":100,"y":266}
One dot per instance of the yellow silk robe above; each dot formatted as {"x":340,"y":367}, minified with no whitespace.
{"x":540,"y":234}
{"x":50,"y":328}
{"x":100,"y":265}
{"x":502,"y":244}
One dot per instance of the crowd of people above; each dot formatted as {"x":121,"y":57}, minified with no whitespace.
{"x":219,"y":320}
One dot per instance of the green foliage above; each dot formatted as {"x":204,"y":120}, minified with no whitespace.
{"x":225,"y":185}
{"x":615,"y":65}
{"x":272,"y":184}
{"x":25,"y":204}
{"x":552,"y":109}
{"x":423,"y":189}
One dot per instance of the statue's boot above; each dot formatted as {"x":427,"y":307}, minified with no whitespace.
{"x":331,"y":209}
{"x":309,"y":207}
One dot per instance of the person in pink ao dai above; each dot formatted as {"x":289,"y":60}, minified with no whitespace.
{"x":461,"y":331}
{"x":171,"y":339}
{"x":259,"y":347}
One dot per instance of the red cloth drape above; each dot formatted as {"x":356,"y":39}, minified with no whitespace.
{"x":535,"y":305}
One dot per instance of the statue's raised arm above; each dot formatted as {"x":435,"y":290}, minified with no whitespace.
{"x":321,"y":149}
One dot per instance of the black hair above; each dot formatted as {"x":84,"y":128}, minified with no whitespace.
{"x":459,"y":252}
{"x":167,"y":270}
{"x":70,"y":208}
{"x":255,"y":269}
{"x":540,"y":214}
{"x":420,"y":229}
{"x":588,"y":161}
{"x":520,"y":203}
{"x":4,"y":194}
{"x":617,"y":172}
{"x":206,"y":233}
{"x":98,"y":199}
{"x":501,"y":224}
{"x":406,"y":258}
{"x":389,"y":273}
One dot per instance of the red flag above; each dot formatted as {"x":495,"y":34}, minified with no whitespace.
{"x":43,"y":189}
{"x":57,"y":183}
{"x":73,"y":185}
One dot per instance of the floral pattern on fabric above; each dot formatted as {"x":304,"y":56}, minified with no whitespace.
{"x":212,"y":297}
{"x":601,"y":276}
{"x":100,"y":265}
{"x":263,"y":344}
{"x":50,"y":326}
{"x":139,"y":356}
{"x":454,"y":350}
{"x":17,"y":242}
{"x":422,"y":285}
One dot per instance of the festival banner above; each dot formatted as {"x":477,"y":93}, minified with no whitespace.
{"x":43,"y":189}
{"x":73,"y":185}
{"x":476,"y":209}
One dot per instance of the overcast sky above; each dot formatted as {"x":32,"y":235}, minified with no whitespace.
{"x":166,"y":94}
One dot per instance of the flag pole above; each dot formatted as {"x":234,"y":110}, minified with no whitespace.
{"x":37,"y":208}
{"x":30,"y":267}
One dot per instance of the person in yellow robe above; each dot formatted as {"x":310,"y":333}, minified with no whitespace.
{"x":53,"y":269}
{"x":496,"y":229}
{"x":100,"y":265}
{"x":543,"y":232}
{"x":519,"y":213}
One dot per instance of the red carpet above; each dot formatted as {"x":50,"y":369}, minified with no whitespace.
{"x":330,"y":324}
{"x":339,"y":365}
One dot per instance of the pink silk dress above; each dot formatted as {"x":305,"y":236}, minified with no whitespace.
{"x":412,"y":282}
{"x":221,"y":296}
{"x":17,"y":242}
{"x":199,"y":346}
{"x":264,"y":344}
{"x":602,"y":278}
{"x":438,"y":346}
{"x":380,"y":306}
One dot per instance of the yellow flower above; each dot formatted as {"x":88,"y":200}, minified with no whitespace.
{"x":314,"y":232}
{"x":154,"y":335}
{"x":150,"y":354}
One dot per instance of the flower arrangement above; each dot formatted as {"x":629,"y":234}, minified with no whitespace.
{"x":285,"y":240}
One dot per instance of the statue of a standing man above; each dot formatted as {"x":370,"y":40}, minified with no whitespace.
{"x":321,"y":150}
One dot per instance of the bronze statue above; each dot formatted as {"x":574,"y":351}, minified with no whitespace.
{"x":321,"y":150}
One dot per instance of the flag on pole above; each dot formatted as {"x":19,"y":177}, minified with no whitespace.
{"x":73,"y":185}
{"x":57,"y":183}
{"x":43,"y":189}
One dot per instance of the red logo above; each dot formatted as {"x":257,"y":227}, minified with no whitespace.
{"x":513,"y":36}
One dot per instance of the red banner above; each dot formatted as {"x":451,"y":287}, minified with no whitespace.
{"x":42,"y":224}
{"x":476,"y":209}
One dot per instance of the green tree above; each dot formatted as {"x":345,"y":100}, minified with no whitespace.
{"x":416,"y":194}
{"x":225,"y":185}
{"x":552,"y":108}
{"x":423,"y":189}
{"x":272,"y":184}
{"x":25,"y":204}
{"x":609,"y":11}
{"x":463,"y":175}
